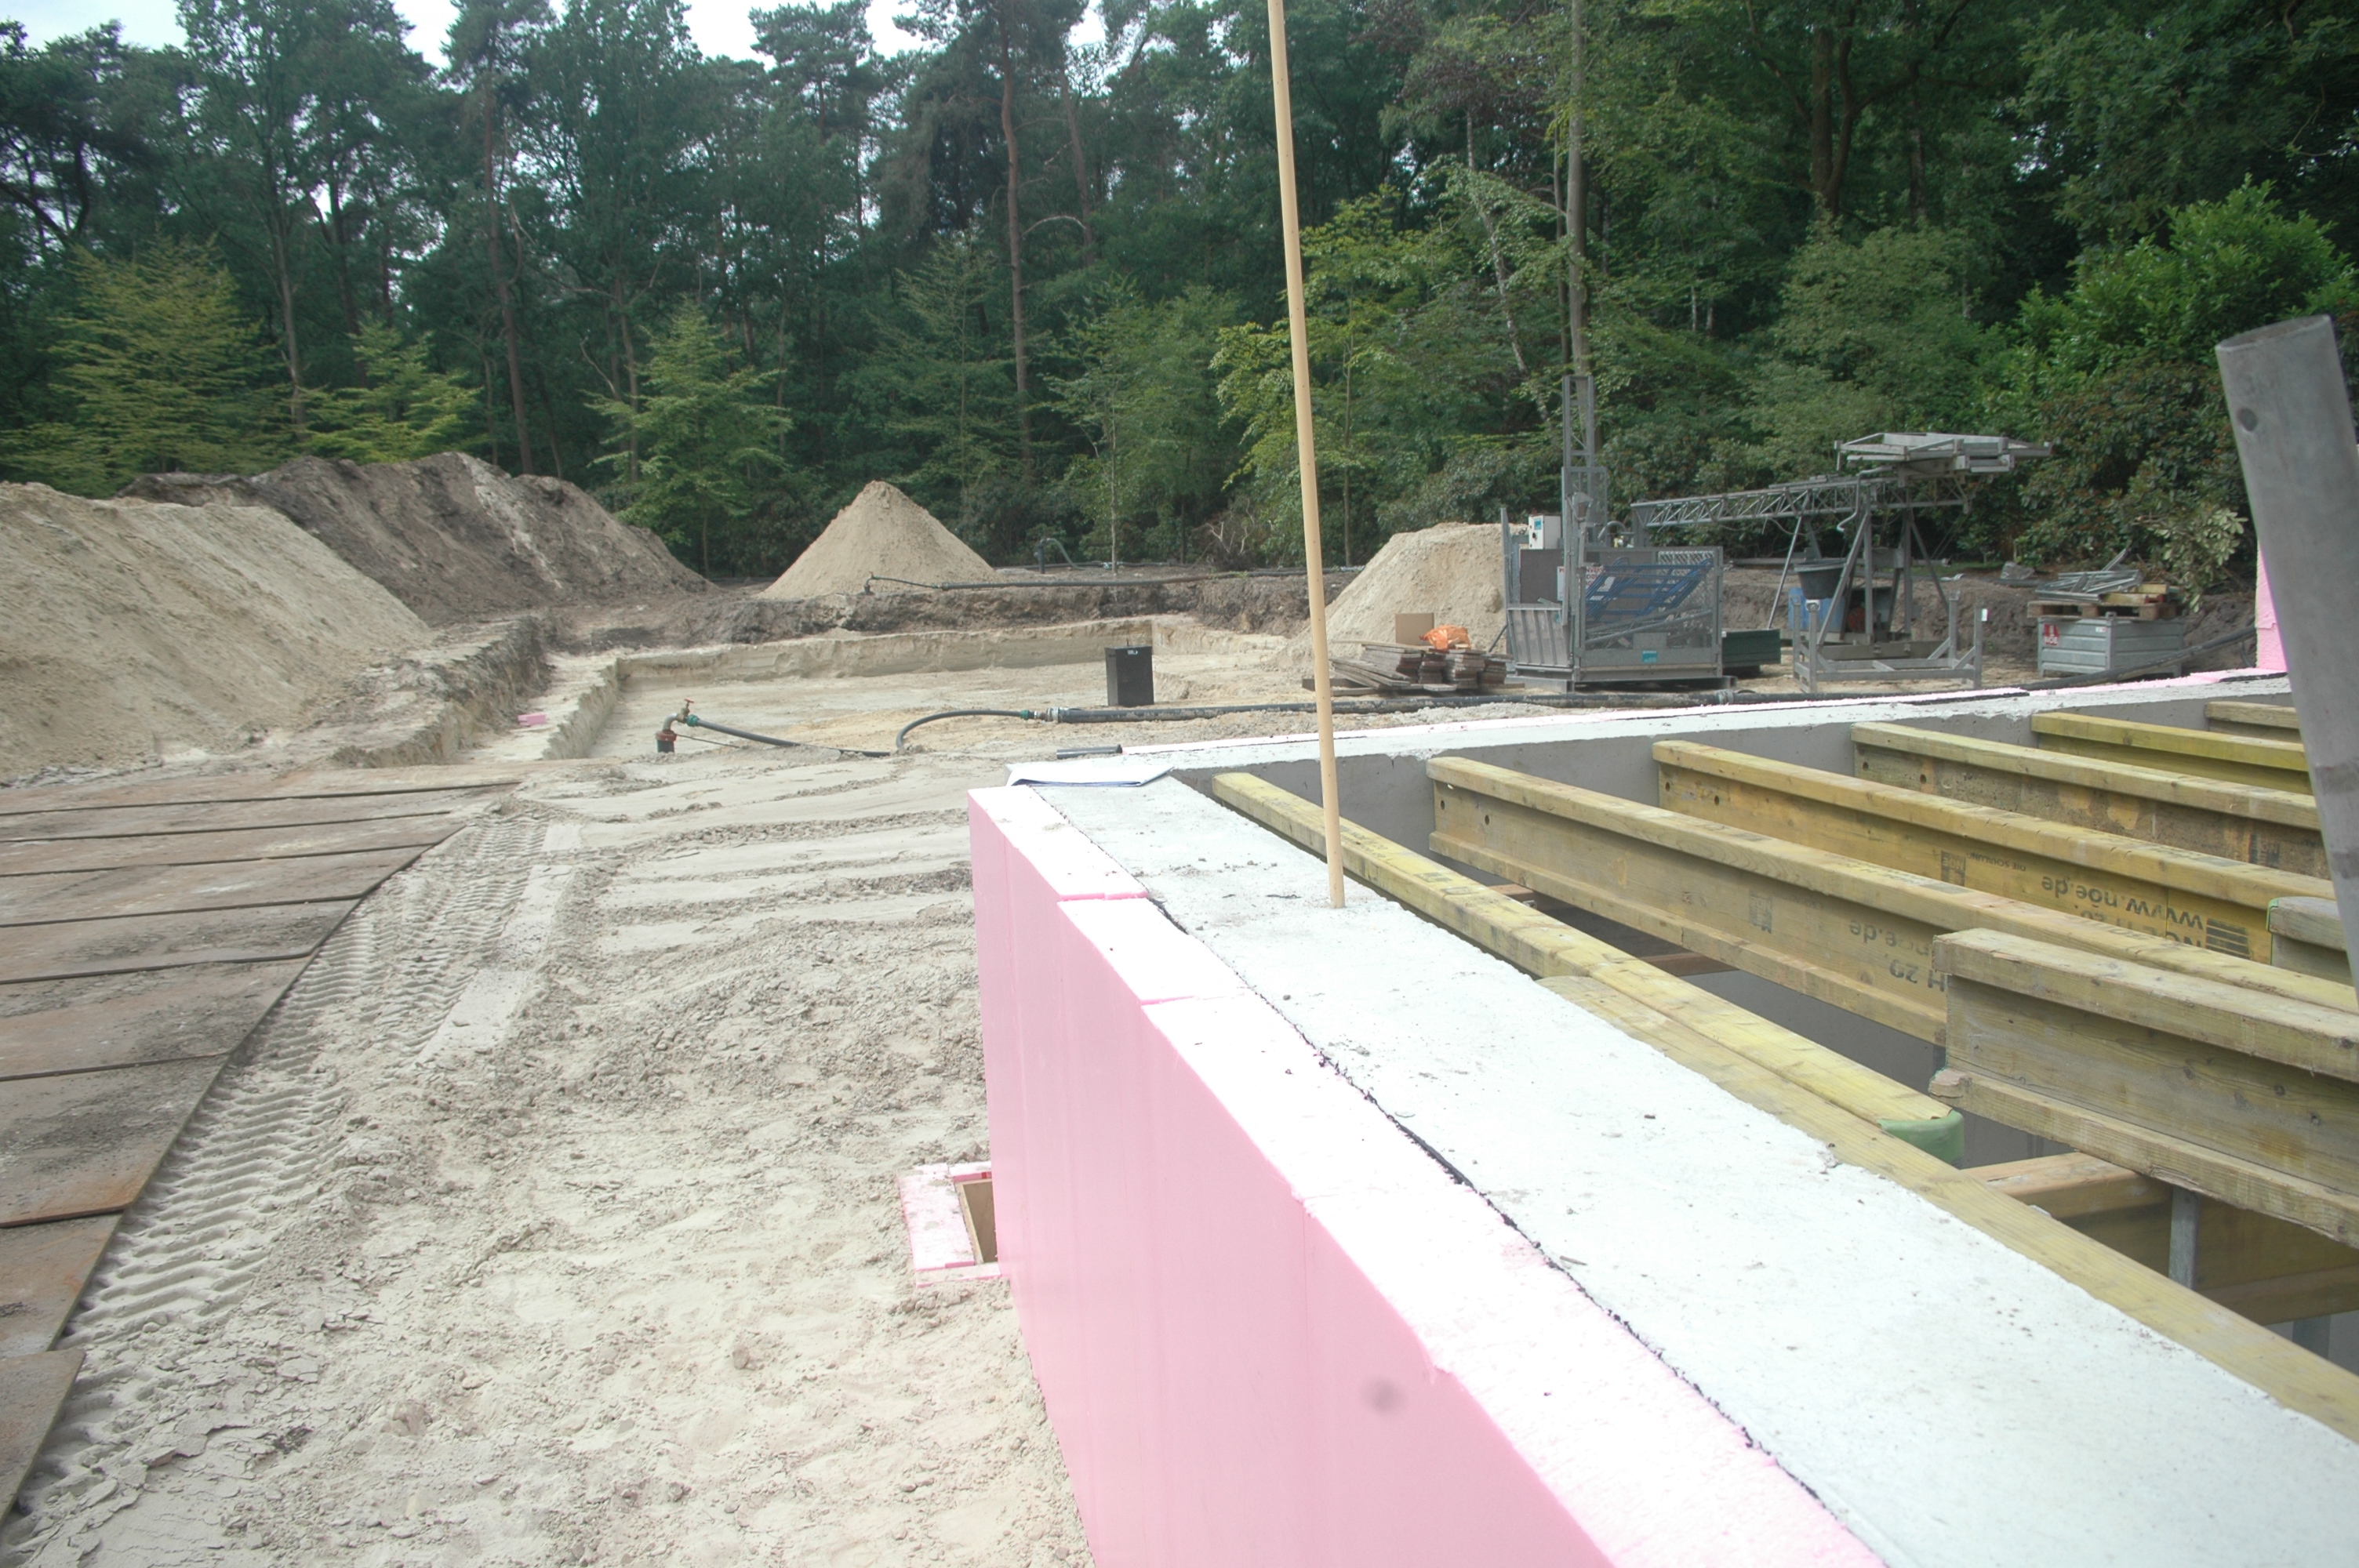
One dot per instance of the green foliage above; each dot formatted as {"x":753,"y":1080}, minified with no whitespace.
{"x":1419,"y":406}
{"x":941,"y":379}
{"x":1802,"y":222}
{"x":699,"y":441}
{"x":1145,"y":399}
{"x":407,"y":408}
{"x":2117,"y":372}
{"x":157,"y":370}
{"x":1875,"y":334}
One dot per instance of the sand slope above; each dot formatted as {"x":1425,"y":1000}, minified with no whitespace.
{"x":135,"y":628}
{"x":1451,"y":569}
{"x":452,"y":536}
{"x":882,"y":533}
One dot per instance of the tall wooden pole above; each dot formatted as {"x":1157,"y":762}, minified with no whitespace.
{"x":1306,"y":447}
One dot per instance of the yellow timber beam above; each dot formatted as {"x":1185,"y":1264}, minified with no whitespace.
{"x":2256,"y":1265}
{"x":2270,"y":720}
{"x":2306,"y":937}
{"x":2243,"y":1098}
{"x":2203,"y":900}
{"x":2285,"y":1372}
{"x":2236,"y":822}
{"x":1857,"y":935}
{"x":1683,"y":1020}
{"x":2209,"y":753}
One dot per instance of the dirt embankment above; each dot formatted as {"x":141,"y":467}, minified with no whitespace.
{"x":1278,"y":605}
{"x":452,"y":536}
{"x":137,"y":628}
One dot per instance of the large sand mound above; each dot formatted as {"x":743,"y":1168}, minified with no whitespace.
{"x":451,"y":535}
{"x":1451,"y":569}
{"x":882,"y":533}
{"x":135,"y":628}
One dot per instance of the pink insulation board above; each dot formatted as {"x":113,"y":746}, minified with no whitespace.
{"x":1269,"y":1328}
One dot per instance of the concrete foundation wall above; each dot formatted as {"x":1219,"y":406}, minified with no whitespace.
{"x":1269,"y":1327}
{"x":1951,"y":1401}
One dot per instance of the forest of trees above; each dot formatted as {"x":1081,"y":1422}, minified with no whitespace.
{"x":1038,"y":281}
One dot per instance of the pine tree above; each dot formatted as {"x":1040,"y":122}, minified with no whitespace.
{"x":158,"y":371}
{"x":408,"y":409}
{"x":702,"y":432}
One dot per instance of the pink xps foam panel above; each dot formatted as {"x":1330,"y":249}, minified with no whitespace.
{"x":1269,"y":1328}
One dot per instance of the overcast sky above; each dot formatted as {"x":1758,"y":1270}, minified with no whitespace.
{"x":720,"y":26}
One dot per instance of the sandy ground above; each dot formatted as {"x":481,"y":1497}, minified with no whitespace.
{"x":553,"y":1218}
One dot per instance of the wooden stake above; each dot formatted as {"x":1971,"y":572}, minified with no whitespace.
{"x":1306,"y":446}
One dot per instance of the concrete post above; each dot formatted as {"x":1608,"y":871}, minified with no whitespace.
{"x":2291,"y":412}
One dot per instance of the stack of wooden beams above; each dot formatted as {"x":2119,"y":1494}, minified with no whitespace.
{"x":2061,"y":922}
{"x":148,"y":929}
{"x":2146,"y":601}
{"x":1405,"y":667}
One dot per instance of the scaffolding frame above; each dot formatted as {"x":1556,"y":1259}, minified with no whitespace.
{"x":1898,"y":474}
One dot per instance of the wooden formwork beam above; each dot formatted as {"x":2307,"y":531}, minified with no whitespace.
{"x":2306,"y":937}
{"x":1683,"y":1020}
{"x":2270,"y":720}
{"x":2236,"y":822}
{"x":1857,"y":935}
{"x":2240,"y":759}
{"x":2248,"y":1098}
{"x":2204,"y":900}
{"x":2255,"y":1264}
{"x":2293,"y":1377}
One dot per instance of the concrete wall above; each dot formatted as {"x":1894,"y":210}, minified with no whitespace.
{"x":1269,"y":1326}
{"x":1935,"y":1389}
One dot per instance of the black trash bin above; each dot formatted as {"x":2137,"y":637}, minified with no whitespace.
{"x":1130,"y":678}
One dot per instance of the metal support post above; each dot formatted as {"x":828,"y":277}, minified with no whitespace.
{"x":2186,"y":1210}
{"x":2291,"y":408}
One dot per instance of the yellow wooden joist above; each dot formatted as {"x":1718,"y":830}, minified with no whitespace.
{"x":2241,"y":759}
{"x":2248,"y":1098}
{"x":1691,"y":1017}
{"x":2257,"y":1265}
{"x":2306,"y":937}
{"x":2237,"y":822}
{"x":2289,"y":1374}
{"x":1854,"y":934}
{"x":2205,"y":900}
{"x":2274,"y":721}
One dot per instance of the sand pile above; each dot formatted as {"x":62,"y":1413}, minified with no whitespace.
{"x":135,"y":629}
{"x":1451,"y":569}
{"x":882,"y":533}
{"x":452,"y":536}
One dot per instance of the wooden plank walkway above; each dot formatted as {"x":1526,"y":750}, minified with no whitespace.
{"x":150,"y":928}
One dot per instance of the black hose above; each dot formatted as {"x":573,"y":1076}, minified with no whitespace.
{"x":741,"y":734}
{"x":965,"y":713}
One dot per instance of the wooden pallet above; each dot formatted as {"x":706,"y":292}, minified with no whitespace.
{"x":2140,"y":606}
{"x":148,"y":929}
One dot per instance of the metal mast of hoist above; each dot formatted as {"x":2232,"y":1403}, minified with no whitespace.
{"x":1895,"y":475}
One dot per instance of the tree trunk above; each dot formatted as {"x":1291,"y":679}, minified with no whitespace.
{"x":1081,"y":168}
{"x":1015,"y":244}
{"x":500,"y":281}
{"x":278,"y":255}
{"x":630,"y":373}
{"x":1825,"y":191}
{"x":1498,"y":263}
{"x":1916,"y":161}
{"x":344,"y":265}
